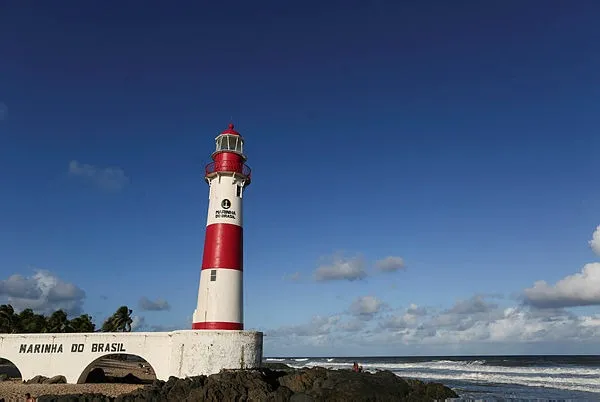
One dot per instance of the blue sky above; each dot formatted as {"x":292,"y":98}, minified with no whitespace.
{"x":456,"y":142}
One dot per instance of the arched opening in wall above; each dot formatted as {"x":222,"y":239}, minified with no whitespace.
{"x":118,"y":368}
{"x":9,"y":371}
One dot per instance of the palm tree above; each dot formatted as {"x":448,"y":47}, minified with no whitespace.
{"x":8,"y":319}
{"x":120,"y":321}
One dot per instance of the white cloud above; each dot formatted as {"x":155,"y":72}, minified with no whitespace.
{"x":470,"y":323}
{"x":580,"y":289}
{"x":475,"y":304}
{"x":366,"y":307}
{"x":474,"y":325}
{"x":415,"y":310}
{"x":403,"y":319}
{"x":159,"y":304}
{"x":138,"y":323}
{"x":107,"y":178}
{"x":390,"y":264}
{"x":595,"y":242}
{"x":318,"y":325}
{"x":341,"y":268}
{"x":43,"y":292}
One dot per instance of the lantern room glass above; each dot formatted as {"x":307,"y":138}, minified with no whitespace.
{"x":230,"y":143}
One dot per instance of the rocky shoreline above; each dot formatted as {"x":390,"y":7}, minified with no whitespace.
{"x":278,"y":383}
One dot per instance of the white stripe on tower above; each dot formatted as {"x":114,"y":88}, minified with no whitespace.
{"x":220,"y":294}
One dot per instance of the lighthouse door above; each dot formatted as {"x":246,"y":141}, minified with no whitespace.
{"x":206,"y":302}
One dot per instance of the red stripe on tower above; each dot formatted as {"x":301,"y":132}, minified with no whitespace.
{"x":218,"y":325}
{"x":223,"y":247}
{"x":220,"y":294}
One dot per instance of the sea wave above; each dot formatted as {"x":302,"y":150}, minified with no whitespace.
{"x":584,"y":379}
{"x":571,"y":384}
{"x":465,"y":366}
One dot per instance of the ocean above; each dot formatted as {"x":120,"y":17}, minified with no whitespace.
{"x":485,"y":378}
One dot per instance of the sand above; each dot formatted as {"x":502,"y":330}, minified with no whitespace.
{"x":14,"y":389}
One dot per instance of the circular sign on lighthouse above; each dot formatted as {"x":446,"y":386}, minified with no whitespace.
{"x":225,"y":204}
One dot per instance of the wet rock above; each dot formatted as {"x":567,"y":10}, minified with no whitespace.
{"x":278,"y":366}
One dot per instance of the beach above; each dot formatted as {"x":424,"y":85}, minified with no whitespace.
{"x":14,"y":389}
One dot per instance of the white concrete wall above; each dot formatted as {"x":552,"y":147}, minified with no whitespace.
{"x":179,"y":353}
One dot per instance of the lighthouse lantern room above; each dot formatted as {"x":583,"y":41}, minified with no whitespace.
{"x":220,"y":294}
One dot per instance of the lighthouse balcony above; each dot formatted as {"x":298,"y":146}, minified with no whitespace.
{"x":229,"y":166}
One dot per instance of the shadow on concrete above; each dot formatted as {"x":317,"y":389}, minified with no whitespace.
{"x":8,"y":370}
{"x":118,"y":368}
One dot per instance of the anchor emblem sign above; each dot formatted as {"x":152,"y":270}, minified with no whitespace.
{"x":225,"y":212}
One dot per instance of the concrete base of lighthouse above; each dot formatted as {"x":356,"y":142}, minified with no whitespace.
{"x":181,"y":354}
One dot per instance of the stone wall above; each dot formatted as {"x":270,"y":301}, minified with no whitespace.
{"x":179,"y":353}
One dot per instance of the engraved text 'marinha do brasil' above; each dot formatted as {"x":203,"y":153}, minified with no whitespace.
{"x":75,"y":348}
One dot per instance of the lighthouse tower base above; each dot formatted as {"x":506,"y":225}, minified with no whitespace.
{"x":181,"y":354}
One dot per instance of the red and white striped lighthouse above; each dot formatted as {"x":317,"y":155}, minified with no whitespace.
{"x":220,"y":295}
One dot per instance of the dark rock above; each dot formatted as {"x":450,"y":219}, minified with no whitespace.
{"x":96,"y":376}
{"x":129,"y":379}
{"x":282,"y":394}
{"x":3,"y":377}
{"x":343,"y":385}
{"x":264,"y":384}
{"x":300,"y":397}
{"x":38,"y":379}
{"x":57,"y":379}
{"x":278,"y":366}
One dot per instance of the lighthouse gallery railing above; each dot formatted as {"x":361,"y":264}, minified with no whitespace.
{"x":228,"y":166}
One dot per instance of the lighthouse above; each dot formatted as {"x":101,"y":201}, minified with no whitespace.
{"x":220,"y":294}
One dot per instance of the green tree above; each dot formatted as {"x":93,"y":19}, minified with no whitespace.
{"x":8,"y":319}
{"x":83,"y":323}
{"x":58,"y":323}
{"x":120,"y":321}
{"x":30,"y":322}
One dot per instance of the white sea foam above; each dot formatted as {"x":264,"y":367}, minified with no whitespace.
{"x":571,"y":384}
